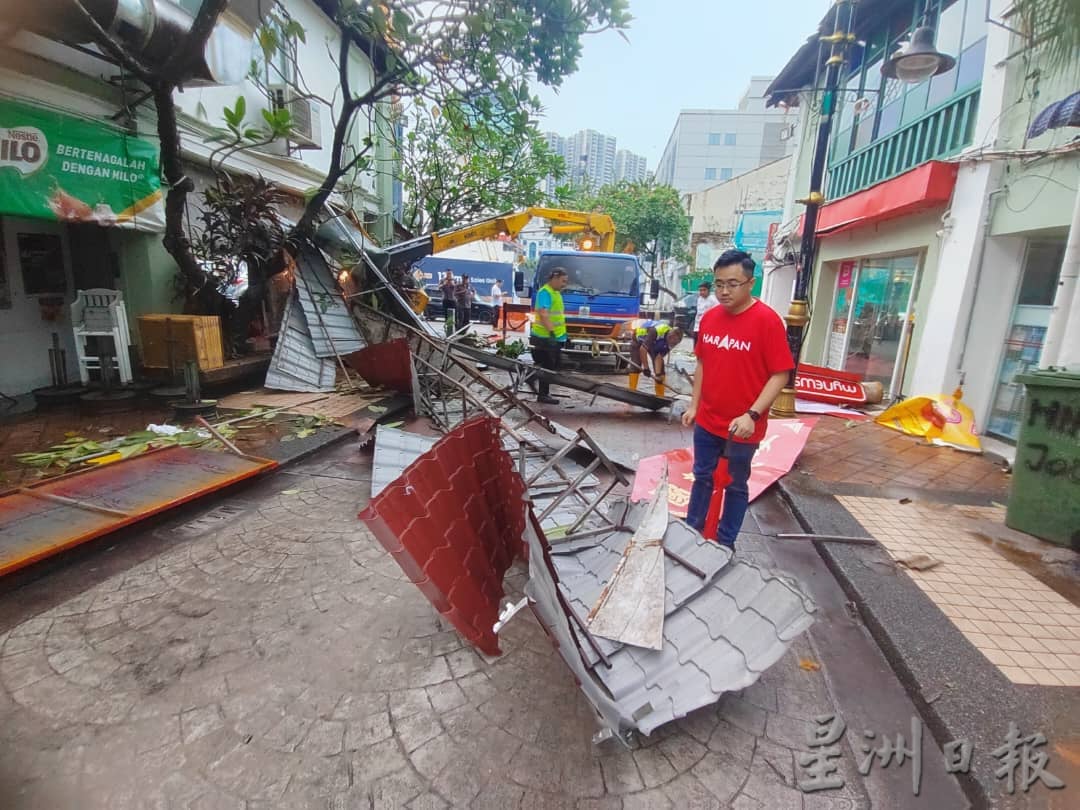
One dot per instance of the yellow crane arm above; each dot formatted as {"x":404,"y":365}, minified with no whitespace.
{"x":599,"y":225}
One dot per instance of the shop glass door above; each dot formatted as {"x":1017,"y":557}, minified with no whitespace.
{"x":871,"y":318}
{"x":1026,"y":334}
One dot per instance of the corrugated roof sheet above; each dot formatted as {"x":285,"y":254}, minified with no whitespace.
{"x":395,"y":450}
{"x":329,"y":321}
{"x":454,"y":523}
{"x":294,"y":365}
{"x":720,"y":632}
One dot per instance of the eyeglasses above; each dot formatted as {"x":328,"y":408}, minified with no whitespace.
{"x":731,"y":285}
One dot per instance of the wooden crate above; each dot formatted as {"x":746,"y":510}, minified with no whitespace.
{"x":193,"y":337}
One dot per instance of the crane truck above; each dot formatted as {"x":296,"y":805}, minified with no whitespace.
{"x":604,"y":291}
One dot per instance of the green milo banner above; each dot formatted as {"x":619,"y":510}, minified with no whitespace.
{"x":59,"y":167}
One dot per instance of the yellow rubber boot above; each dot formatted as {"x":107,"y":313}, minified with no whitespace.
{"x":634,"y":377}
{"x":660,"y":388}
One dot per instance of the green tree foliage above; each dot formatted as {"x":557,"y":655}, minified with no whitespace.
{"x":1054,"y":26}
{"x":485,"y":51}
{"x":649,"y":218}
{"x":457,"y":164}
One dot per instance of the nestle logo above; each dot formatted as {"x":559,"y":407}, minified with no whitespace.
{"x":727,"y":342}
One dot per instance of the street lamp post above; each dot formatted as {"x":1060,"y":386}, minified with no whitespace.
{"x":914,"y":62}
{"x":799,"y":311}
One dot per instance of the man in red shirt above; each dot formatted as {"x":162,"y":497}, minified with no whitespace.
{"x":743,"y":362}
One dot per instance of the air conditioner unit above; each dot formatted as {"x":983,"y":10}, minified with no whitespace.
{"x":787,"y":132}
{"x":306,"y":118}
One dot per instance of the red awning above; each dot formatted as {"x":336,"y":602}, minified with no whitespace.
{"x":924,"y":187}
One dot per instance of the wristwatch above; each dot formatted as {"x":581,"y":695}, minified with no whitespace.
{"x":754,"y":415}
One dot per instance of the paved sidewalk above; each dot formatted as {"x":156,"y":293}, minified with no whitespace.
{"x":266,"y":653}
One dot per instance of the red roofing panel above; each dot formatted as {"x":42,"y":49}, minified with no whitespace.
{"x":929,"y":185}
{"x":454,"y":522}
{"x":388,"y":364}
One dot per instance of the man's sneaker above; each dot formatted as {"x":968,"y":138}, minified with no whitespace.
{"x":547,"y":400}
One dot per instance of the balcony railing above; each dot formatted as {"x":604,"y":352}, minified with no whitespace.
{"x":937,"y":134}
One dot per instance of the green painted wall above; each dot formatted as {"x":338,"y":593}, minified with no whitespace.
{"x":146,"y":275}
{"x":1039,"y":194}
{"x":914,"y":234}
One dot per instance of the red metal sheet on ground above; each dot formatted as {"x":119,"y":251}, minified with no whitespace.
{"x":454,"y":522}
{"x":784,"y":441}
{"x":46,"y":518}
{"x":388,"y":364}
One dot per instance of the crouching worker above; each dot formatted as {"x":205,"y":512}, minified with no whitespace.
{"x":652,"y":342}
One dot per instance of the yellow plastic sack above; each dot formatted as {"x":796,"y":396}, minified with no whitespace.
{"x":943,"y":420}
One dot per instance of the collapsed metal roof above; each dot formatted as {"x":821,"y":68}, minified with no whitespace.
{"x":458,"y":517}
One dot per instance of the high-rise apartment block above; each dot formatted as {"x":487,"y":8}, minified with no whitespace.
{"x":592,"y":160}
{"x":630,"y":167}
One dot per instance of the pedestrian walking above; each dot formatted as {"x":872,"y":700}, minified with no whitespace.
{"x":705,"y":301}
{"x":743,"y":362}
{"x":496,"y":302}
{"x":446,"y":287}
{"x":548,"y":333}
{"x":463,"y":299}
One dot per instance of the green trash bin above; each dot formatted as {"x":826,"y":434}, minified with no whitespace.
{"x":1045,"y":497}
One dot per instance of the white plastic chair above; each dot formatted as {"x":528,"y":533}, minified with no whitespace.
{"x":100,"y":313}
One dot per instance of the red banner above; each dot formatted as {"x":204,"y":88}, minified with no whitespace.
{"x":783,"y":442}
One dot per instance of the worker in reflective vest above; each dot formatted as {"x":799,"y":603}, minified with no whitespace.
{"x":653,"y":340}
{"x":548,"y":333}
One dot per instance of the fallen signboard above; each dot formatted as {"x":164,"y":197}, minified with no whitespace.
{"x":839,"y":387}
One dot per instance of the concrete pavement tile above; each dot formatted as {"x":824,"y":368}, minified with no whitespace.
{"x":687,"y":792}
{"x":415,"y":730}
{"x":531,"y":769}
{"x":744,"y":802}
{"x":446,"y":696}
{"x":407,"y":702}
{"x":789,"y":732}
{"x":761,"y":694}
{"x":621,"y":774}
{"x":196,"y":723}
{"x":459,"y":781}
{"x":647,"y":800}
{"x":607,"y":803}
{"x":498,"y":796}
{"x":720,"y":777}
{"x":583,"y":775}
{"x":434,"y":755}
{"x":654,"y":767}
{"x":427,"y":801}
{"x":396,"y":789}
{"x":378,"y":760}
{"x":699,"y":724}
{"x":325,"y":738}
{"x":733,"y":744}
{"x":743,"y":714}
{"x":682,"y":752}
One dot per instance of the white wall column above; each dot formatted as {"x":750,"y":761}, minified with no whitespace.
{"x":1062,"y":346}
{"x":938,"y":365}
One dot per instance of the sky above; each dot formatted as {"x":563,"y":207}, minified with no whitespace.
{"x":682,"y":54}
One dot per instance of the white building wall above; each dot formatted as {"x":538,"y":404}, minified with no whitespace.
{"x":201,"y":108}
{"x":691,"y":163}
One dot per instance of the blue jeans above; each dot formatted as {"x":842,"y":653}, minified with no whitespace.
{"x":708,"y":448}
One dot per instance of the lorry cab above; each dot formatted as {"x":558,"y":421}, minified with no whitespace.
{"x":602,"y":295}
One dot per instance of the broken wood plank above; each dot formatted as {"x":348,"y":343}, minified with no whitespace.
{"x":631,"y":606}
